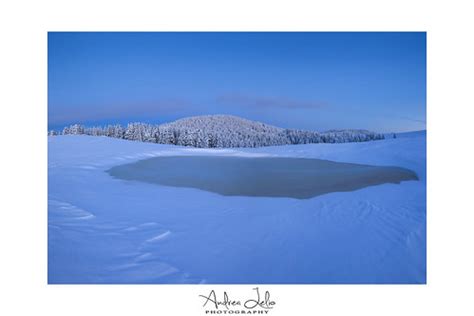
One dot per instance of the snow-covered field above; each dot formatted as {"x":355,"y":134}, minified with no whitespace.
{"x":106,"y":230}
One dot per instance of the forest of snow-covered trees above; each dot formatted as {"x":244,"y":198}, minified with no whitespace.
{"x":219,"y":131}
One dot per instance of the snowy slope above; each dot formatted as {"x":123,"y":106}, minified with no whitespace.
{"x":104,"y":230}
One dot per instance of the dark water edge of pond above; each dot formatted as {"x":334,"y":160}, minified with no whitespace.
{"x":299,"y":178}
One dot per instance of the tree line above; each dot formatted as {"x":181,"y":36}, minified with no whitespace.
{"x":218,"y":132}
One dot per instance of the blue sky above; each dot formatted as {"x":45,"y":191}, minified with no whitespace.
{"x":314,"y":81}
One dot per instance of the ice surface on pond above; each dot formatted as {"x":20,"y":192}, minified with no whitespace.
{"x":271,"y":177}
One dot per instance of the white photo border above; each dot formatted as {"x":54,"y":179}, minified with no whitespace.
{"x":24,"y":103}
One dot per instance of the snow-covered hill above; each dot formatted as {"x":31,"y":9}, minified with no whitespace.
{"x":220,"y":131}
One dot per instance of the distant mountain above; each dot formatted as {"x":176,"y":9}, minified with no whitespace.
{"x":220,"y":131}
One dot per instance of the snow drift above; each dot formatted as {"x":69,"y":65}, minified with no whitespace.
{"x":106,"y":230}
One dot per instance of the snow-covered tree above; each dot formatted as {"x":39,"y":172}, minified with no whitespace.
{"x":221,"y":131}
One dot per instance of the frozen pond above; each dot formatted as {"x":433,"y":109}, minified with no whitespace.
{"x":299,"y":178}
